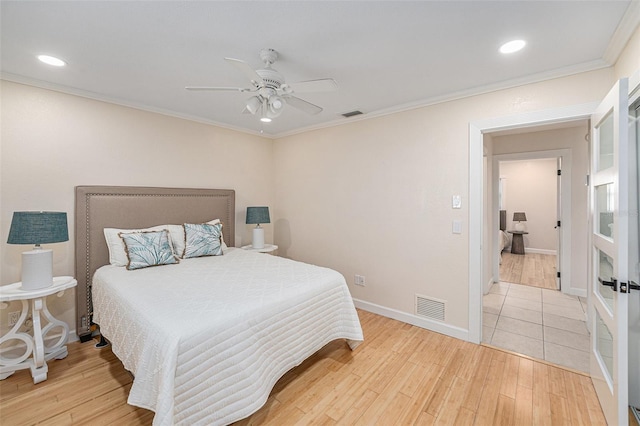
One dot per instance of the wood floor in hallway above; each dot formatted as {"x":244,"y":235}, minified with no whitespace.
{"x":533,"y":269}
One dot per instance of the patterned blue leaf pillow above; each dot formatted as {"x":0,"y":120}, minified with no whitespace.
{"x":202,"y":240}
{"x":146,"y":249}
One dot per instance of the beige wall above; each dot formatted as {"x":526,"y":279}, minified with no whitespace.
{"x":531,"y":188}
{"x":52,"y":142}
{"x":374,"y":197}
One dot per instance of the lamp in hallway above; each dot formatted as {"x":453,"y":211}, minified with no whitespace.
{"x":519,"y":217}
{"x":38,"y":228}
{"x":258,"y":215}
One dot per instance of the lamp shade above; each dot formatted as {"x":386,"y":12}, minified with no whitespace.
{"x":258,"y":215}
{"x":38,"y":228}
{"x":253,"y":104}
{"x":519,"y":217}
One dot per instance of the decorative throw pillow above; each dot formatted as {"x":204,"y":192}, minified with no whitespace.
{"x":202,"y":240}
{"x":146,"y":249}
{"x":115,"y":244}
{"x":214,"y":222}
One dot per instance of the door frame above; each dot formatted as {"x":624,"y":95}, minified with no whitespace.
{"x":476,"y":191}
{"x":565,"y":202}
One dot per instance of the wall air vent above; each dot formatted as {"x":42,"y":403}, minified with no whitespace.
{"x":429,"y":307}
{"x":351,"y":113}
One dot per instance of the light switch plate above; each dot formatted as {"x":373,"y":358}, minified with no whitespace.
{"x":457,"y":227}
{"x":456,"y":202}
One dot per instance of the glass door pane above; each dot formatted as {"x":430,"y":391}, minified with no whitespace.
{"x":604,"y":272}
{"x":604,"y":159}
{"x":604,"y":346}
{"x":604,"y":210}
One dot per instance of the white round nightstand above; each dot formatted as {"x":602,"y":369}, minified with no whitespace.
{"x":35,"y":344}
{"x":268,"y":248}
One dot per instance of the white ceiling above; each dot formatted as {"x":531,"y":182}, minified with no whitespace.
{"x":384,"y":55}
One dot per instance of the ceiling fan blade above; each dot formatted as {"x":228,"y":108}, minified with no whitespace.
{"x":322,"y":85}
{"x":220,"y":89}
{"x":303,"y":105}
{"x":244,"y":68}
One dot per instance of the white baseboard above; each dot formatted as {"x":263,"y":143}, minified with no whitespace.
{"x":437,"y":326}
{"x":540,"y":251}
{"x":72,"y":337}
{"x":581,"y":292}
{"x":487,"y":286}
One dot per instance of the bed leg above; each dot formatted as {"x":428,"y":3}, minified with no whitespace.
{"x":353,"y":344}
{"x":85,"y":337}
{"x":102,"y":343}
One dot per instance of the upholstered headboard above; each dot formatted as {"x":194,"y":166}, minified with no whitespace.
{"x":128,"y":207}
{"x":503,"y":220}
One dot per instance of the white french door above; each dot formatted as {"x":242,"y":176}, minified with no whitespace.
{"x":609,"y":243}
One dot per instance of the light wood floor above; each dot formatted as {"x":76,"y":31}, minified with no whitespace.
{"x":401,"y":375}
{"x":537,"y":270}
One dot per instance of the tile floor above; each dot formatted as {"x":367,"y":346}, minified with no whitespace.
{"x":541,"y":323}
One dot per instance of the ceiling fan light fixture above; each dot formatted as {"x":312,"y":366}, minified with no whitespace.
{"x":274,"y":106}
{"x":275,"y":103}
{"x":253,"y":104}
{"x":265,"y":111}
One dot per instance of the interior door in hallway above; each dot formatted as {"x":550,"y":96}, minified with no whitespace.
{"x":558,"y":226}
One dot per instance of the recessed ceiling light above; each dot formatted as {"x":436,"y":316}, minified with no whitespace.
{"x":52,"y":60}
{"x":265,"y":120}
{"x":512,"y":46}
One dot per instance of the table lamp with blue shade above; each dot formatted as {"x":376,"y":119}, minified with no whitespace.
{"x":38,"y":228}
{"x":258,"y":215}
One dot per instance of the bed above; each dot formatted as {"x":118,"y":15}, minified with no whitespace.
{"x":206,"y":338}
{"x":503,"y":237}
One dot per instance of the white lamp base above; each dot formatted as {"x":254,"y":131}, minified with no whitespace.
{"x":519,"y":226}
{"x":37,"y":269}
{"x":258,"y":238}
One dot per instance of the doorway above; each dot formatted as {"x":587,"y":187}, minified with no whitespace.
{"x":528,"y":204}
{"x":529,"y":319}
{"x":480,"y":250}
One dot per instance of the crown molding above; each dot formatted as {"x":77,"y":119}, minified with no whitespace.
{"x":628,"y":24}
{"x":475,"y":91}
{"x":99,"y":97}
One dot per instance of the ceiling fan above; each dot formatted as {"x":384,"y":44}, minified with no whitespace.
{"x":271,"y":91}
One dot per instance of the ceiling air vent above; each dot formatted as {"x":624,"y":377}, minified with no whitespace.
{"x":351,"y":113}
{"x":430,"y":308}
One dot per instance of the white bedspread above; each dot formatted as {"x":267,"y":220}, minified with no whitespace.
{"x":208,"y":338}
{"x":503,"y":239}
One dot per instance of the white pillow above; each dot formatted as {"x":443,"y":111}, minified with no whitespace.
{"x":115,"y":244}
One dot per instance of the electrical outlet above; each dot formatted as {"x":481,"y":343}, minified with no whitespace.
{"x":13,"y":318}
{"x":359,"y":280}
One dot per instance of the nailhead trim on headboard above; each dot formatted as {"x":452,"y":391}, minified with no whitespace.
{"x":174,"y":198}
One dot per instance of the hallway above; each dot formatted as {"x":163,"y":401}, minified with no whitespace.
{"x":533,"y":269}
